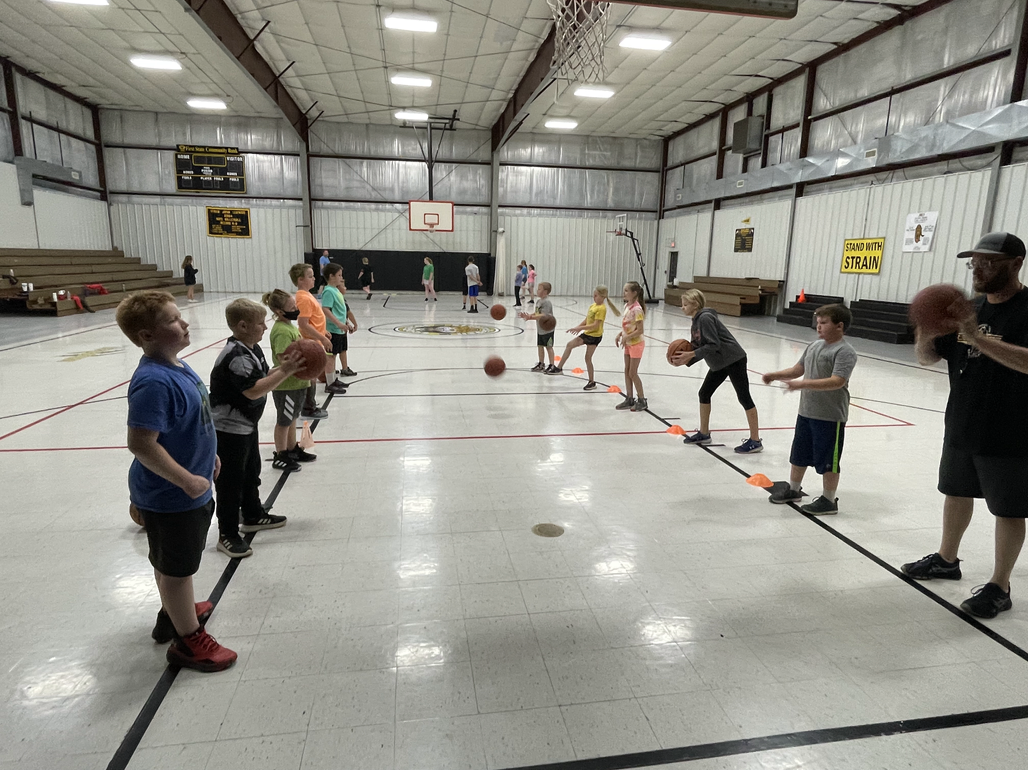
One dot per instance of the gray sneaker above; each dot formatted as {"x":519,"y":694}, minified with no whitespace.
{"x":698,"y":438}
{"x":821,"y":506}
{"x":786,"y":495}
{"x":626,"y":403}
{"x":639,"y":406}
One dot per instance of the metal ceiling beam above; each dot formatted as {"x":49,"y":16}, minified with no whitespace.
{"x":537,"y":78}
{"x":225,"y":27}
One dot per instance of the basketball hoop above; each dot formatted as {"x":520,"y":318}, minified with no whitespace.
{"x":580,"y":28}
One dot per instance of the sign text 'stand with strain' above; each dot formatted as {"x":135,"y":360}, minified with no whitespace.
{"x":862,"y":255}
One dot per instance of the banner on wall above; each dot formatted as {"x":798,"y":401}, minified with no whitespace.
{"x":744,"y":241}
{"x":228,"y":223}
{"x":862,"y":255}
{"x":919,"y":230}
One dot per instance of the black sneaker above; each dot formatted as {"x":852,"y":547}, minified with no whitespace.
{"x":473,"y":310}
{"x":931,"y":567}
{"x":786,"y":495}
{"x":538,"y":368}
{"x":639,"y":406}
{"x":234,"y":547}
{"x":337,"y":388}
{"x":296,"y":454}
{"x":348,"y":372}
{"x":698,"y":438}
{"x":552,"y":370}
{"x":821,"y":506}
{"x":591,"y":385}
{"x":283,"y":461}
{"x":627,"y":403}
{"x":164,"y":630}
{"x":987,"y":601}
{"x":316,"y":414}
{"x":268,"y":521}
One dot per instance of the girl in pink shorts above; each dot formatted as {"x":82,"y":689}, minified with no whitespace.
{"x":630,"y":339}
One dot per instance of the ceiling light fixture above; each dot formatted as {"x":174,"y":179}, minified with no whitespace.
{"x":594,"y":92}
{"x":410,"y":22}
{"x":149,"y":62}
{"x":418,"y":81}
{"x":411,"y":115}
{"x":645,"y":42}
{"x":206,"y":103}
{"x":561,"y":123}
{"x":83,"y":2}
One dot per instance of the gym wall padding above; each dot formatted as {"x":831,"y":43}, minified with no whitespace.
{"x":402,"y":270}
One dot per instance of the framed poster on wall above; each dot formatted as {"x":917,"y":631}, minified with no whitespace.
{"x":919,"y":230}
{"x":228,"y":223}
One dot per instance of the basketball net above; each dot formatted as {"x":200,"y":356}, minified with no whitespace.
{"x":580,"y":28}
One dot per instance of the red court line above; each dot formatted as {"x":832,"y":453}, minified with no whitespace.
{"x":86,"y":400}
{"x":888,"y":417}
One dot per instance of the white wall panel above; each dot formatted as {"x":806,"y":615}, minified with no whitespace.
{"x":691,"y":234}
{"x":17,"y":222}
{"x":1012,"y":211}
{"x":824,"y":221}
{"x":385,"y":227}
{"x":163,"y":230}
{"x":70,"y":221}
{"x":575,"y":254}
{"x":771,"y":223}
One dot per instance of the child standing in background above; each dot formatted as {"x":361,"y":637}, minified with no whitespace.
{"x":592,"y":330}
{"x":366,"y":277}
{"x":428,"y":279}
{"x":630,"y":338}
{"x":340,"y":321}
{"x":519,"y":280}
{"x":530,"y":284}
{"x":544,"y":340}
{"x":189,"y":276}
{"x":312,"y":326}
{"x":289,"y":394}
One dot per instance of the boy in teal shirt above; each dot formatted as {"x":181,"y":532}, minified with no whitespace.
{"x":335,"y":308}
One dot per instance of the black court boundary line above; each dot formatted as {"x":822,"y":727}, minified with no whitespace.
{"x":917,"y":585}
{"x":787,"y":740}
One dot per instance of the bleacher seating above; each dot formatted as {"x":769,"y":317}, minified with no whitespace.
{"x":872,"y":319}
{"x":802,"y":313}
{"x":730,"y":296}
{"x":54,"y":270}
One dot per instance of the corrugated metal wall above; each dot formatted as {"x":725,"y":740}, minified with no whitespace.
{"x":70,"y":222}
{"x":1012,"y":211}
{"x":17,"y":222}
{"x":382,"y":226}
{"x":163,"y":230}
{"x":691,"y":234}
{"x":771,"y":224}
{"x":824,"y":221}
{"x":576,"y":253}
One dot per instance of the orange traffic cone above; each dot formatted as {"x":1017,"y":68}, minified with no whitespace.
{"x":760,"y":480}
{"x":676,"y":430}
{"x":614,"y":389}
{"x":802,"y":297}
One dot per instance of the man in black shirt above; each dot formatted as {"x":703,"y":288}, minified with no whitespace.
{"x":985,"y":436}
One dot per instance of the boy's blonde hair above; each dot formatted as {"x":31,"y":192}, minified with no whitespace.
{"x":297,"y":271}
{"x":138,"y":312}
{"x":243,"y":310}
{"x":603,"y":292}
{"x":695,"y":297}
{"x":545,"y":286}
{"x":276,"y":300}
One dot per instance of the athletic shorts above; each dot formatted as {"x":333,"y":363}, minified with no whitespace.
{"x":288,"y":404}
{"x":473,"y":291}
{"x":635,"y":351}
{"x":817,"y":444}
{"x":177,"y":540}
{"x":588,"y":340}
{"x":545,"y":340}
{"x":339,"y":343}
{"x":1001,"y":481}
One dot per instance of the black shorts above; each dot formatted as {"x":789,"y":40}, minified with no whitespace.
{"x":339,"y":343}
{"x":177,"y":540}
{"x":288,"y":404}
{"x":817,"y":444}
{"x":1001,"y":481}
{"x":545,"y":340}
{"x":588,"y":340}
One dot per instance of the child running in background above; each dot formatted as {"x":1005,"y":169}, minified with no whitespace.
{"x":339,"y":320}
{"x":189,"y":276}
{"x":592,"y":330}
{"x":714,"y":343}
{"x":366,"y":277}
{"x":240,"y":384}
{"x":630,"y":339}
{"x":544,"y":340}
{"x":428,"y":279}
{"x":289,"y":394}
{"x":530,"y":284}
{"x":312,"y":327}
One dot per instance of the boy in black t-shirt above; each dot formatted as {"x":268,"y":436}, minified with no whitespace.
{"x":240,"y":383}
{"x":985,"y":437}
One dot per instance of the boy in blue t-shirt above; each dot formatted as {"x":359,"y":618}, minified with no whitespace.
{"x":172,"y":437}
{"x":339,"y":320}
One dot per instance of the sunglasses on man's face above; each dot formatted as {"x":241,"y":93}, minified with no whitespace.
{"x":988,"y":262}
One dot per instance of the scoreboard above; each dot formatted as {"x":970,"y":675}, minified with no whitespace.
{"x":210,"y":170}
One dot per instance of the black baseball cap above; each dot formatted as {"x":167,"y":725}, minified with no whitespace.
{"x":1001,"y":244}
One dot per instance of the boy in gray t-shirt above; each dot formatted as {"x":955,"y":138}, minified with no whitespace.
{"x":826,"y":367}
{"x":544,"y":340}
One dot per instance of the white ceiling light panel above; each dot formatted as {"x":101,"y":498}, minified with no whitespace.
{"x":561,"y":123}
{"x":151,"y":62}
{"x":411,"y":115}
{"x":412,"y":79}
{"x":206,"y":103}
{"x":645,"y":41}
{"x":594,"y":92}
{"x":410,"y":22}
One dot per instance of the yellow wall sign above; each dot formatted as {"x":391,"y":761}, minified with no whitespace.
{"x":862,"y":255}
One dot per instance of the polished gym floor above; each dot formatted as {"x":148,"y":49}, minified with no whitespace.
{"x":408,"y":617}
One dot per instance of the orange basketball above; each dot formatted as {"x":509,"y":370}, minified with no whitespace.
{"x":936,"y":309}
{"x":498,"y":312}
{"x":494,"y":366}
{"x":314,"y":358}
{"x":678,"y":346}
{"x":546,"y":323}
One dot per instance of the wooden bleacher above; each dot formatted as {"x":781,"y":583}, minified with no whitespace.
{"x":730,"y":296}
{"x":54,"y":270}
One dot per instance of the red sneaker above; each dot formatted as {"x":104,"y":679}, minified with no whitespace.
{"x":200,"y":651}
{"x":164,"y":631}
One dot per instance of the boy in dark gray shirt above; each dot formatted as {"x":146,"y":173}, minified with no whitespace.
{"x":826,"y":367}
{"x":544,"y":340}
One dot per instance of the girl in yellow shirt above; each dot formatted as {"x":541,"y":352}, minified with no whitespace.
{"x":592,"y":330}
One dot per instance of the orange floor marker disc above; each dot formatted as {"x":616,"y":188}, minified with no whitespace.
{"x":676,"y":430}
{"x":577,"y":370}
{"x":760,"y":480}
{"x":557,"y":358}
{"x":614,"y":389}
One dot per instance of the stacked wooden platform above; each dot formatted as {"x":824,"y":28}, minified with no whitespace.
{"x":872,"y":319}
{"x":69,"y":270}
{"x":730,"y":296}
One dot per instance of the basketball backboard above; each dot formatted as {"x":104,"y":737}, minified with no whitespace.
{"x":430,"y":216}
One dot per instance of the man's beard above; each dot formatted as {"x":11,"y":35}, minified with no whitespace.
{"x":991,"y":285}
